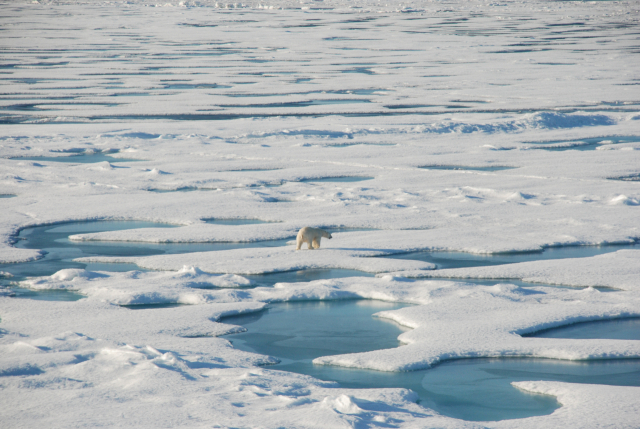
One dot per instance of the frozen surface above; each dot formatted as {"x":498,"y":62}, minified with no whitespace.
{"x":620,"y":270}
{"x":580,"y":404}
{"x":251,"y":107}
{"x":257,"y":261}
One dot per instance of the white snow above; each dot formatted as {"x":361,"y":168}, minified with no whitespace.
{"x":238,"y":104}
{"x":265,"y":260}
{"x":12,"y":255}
{"x":581,"y":403}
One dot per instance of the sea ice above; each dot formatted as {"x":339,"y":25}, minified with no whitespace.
{"x":246,"y":105}
{"x":619,"y":270}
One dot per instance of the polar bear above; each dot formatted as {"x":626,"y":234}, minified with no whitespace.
{"x":311,"y":236}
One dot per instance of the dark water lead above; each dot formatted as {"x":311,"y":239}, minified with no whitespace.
{"x":445,"y":260}
{"x":196,"y":189}
{"x":341,"y":179}
{"x":469,"y":389}
{"x":88,"y":158}
{"x":630,"y":178}
{"x":40,"y":107}
{"x":583,"y":144}
{"x":294,"y":104}
{"x":362,"y":70}
{"x":277,"y":200}
{"x":7,"y":195}
{"x":461,"y":167}
{"x":410,"y":106}
{"x":183,"y":85}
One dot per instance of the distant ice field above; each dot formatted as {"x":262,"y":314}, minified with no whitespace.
{"x":476,"y":163}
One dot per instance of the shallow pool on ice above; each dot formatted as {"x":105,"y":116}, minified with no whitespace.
{"x":61,"y":252}
{"x":463,"y":260}
{"x":469,"y":389}
{"x":54,"y":240}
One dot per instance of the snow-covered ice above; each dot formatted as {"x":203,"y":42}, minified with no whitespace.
{"x":619,"y":270}
{"x":234,"y":111}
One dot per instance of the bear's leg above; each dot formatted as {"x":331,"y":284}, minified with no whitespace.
{"x":309,"y":245}
{"x":316,"y":243}
{"x":298,"y":242}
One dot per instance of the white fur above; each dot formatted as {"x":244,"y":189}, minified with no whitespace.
{"x":311,"y":236}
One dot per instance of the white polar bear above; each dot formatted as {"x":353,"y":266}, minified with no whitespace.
{"x":311,"y":236}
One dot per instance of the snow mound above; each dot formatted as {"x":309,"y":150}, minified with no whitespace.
{"x":156,"y":171}
{"x":73,"y":273}
{"x":624,"y":200}
{"x":189,"y":285}
{"x":343,"y":404}
{"x":104,"y":165}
